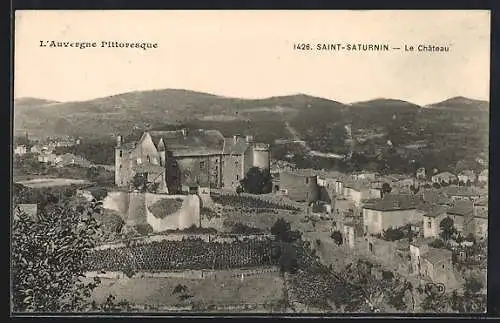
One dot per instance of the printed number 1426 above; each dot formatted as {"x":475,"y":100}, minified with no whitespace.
{"x":301,"y":46}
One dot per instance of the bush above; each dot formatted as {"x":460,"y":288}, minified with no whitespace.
{"x":257,"y":181}
{"x":143,"y":229}
{"x":337,"y":236}
{"x":438,"y":243}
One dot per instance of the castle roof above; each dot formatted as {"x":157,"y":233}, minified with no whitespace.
{"x":149,"y":168}
{"x":235,"y":147}
{"x":193,"y":139}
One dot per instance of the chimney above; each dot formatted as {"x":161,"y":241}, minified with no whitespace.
{"x":184,"y":132}
{"x":249,"y":138}
{"x":118,"y":140}
{"x":235,"y":138}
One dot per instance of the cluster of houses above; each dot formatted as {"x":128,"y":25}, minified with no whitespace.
{"x":45,"y":152}
{"x":364,"y":205}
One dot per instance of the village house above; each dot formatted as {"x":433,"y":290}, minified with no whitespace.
{"x":436,"y":265}
{"x":477,"y":222}
{"x":359,"y":191}
{"x":20,"y":150}
{"x":461,"y":193}
{"x":421,"y":173}
{"x":467,"y":176}
{"x":47,"y":158}
{"x":459,"y":212}
{"x":364,"y":176}
{"x":390,"y":212}
{"x":70,"y":160}
{"x":432,"y":218}
{"x":483,"y":176}
{"x":444,"y":177}
{"x":351,"y":231}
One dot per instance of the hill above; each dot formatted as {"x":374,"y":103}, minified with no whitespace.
{"x":451,"y":130}
{"x":32,"y":102}
{"x":140,"y":110}
{"x":461,"y":102}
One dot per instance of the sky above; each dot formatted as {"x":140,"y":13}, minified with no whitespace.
{"x":249,"y":54}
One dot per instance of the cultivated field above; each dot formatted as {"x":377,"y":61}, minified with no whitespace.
{"x":51,"y":182}
{"x":225,"y":289}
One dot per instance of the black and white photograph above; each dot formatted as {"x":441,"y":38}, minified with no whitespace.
{"x":306,"y":162}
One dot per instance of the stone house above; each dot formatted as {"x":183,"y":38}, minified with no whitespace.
{"x":483,"y":177}
{"x":391,"y":211}
{"x":467,"y":176}
{"x":432,"y":218}
{"x":444,"y":177}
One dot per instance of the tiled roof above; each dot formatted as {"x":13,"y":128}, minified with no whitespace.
{"x":462,"y":208}
{"x":433,"y":210}
{"x":358,"y":185}
{"x":461,"y":191}
{"x":436,"y":256}
{"x":195,"y":152}
{"x":194,"y":139}
{"x":394,"y":202}
{"x":444,"y":174}
{"x":306,"y":172}
{"x":482,"y":214}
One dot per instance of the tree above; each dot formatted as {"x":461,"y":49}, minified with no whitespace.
{"x":394,"y":234}
{"x":257,"y":181}
{"x":281,"y":229}
{"x":48,"y":258}
{"x":447,"y":228}
{"x":435,"y":302}
{"x":386,"y":188}
{"x":337,"y":237}
{"x":438,"y":243}
{"x":139,"y":182}
{"x":413,"y":189}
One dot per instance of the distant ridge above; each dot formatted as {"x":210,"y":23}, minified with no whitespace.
{"x":461,"y":102}
{"x":142,"y":109}
{"x":28,"y":101}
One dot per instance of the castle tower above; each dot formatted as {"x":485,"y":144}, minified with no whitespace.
{"x":261,"y":156}
{"x":119,"y":162}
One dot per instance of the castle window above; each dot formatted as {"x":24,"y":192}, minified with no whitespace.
{"x":237,"y":177}
{"x":121,"y":166}
{"x":307,"y":180}
{"x":121,"y":153}
{"x":149,"y":159}
{"x":139,"y":161}
{"x":202,"y":165}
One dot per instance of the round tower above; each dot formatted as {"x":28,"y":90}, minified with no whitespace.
{"x":261,"y":156}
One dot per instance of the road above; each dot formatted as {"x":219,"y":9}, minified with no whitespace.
{"x":304,"y":144}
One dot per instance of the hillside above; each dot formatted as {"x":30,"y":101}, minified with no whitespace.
{"x":461,"y":102}
{"x":450,"y":131}
{"x":124,"y":112}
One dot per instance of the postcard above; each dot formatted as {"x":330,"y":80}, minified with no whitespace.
{"x":305,"y":162}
